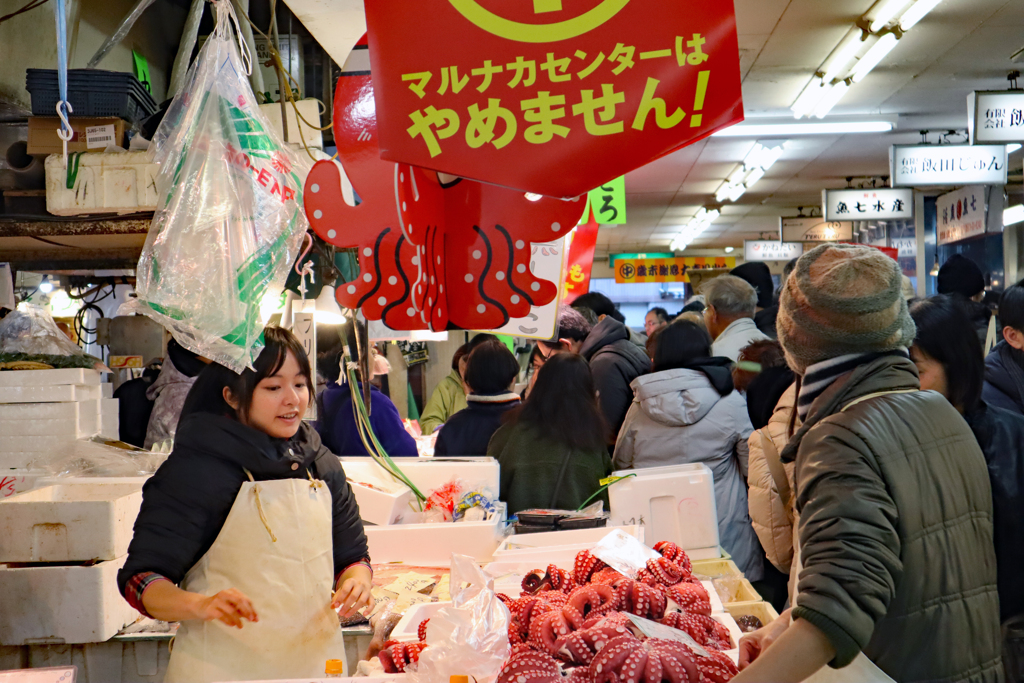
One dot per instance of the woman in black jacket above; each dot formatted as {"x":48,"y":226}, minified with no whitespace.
{"x":253,"y":518}
{"x":949,"y":359}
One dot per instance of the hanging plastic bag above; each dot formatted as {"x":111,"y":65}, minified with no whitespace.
{"x":230,"y":219}
{"x":470,"y":638}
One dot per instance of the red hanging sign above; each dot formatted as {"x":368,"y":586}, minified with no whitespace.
{"x":445,"y":256}
{"x":581,"y":258}
{"x":550,"y":96}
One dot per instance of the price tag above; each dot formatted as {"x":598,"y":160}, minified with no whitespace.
{"x":66,"y":674}
{"x":623,"y":553}
{"x":305,"y":329}
{"x":609,"y":202}
{"x":99,"y":136}
{"x":660,"y":631}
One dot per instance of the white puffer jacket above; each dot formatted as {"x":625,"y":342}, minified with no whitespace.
{"x":767,"y":511}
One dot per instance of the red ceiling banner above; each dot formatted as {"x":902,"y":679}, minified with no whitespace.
{"x":554,"y":97}
{"x":580,"y":263}
{"x":453,"y":255}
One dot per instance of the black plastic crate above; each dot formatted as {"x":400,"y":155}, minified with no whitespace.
{"x":91,"y":92}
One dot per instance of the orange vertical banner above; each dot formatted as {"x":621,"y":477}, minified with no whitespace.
{"x":581,"y":258}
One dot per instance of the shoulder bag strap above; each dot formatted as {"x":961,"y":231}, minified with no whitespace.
{"x":990,"y":338}
{"x":777,"y":470}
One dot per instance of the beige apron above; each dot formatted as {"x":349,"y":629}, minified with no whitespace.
{"x":276,"y":548}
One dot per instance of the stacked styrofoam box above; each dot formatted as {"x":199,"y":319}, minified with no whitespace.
{"x":63,"y":546}
{"x":121,"y":182}
{"x":44,"y":411}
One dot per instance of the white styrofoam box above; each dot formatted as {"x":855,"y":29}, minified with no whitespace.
{"x":34,"y":444}
{"x":70,"y":411}
{"x":109,"y":406}
{"x":430,"y":473}
{"x":47,"y":378}
{"x":432,"y":545}
{"x":60,"y":481}
{"x":69,"y":523}
{"x":583,"y":538}
{"x":115,"y":661}
{"x":675,"y":503}
{"x":407,"y":630}
{"x":110,"y":426}
{"x":123,"y":182}
{"x":310,"y":110}
{"x":59,"y":603}
{"x":19,"y":461}
{"x":107,"y":390}
{"x":717,"y":606}
{"x":382,"y":507}
{"x":86,"y":423}
{"x":15,"y":481}
{"x":51,"y":394}
{"x":727,"y":620}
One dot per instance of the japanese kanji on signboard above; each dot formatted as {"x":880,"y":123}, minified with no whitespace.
{"x":435,"y":255}
{"x":554,"y":97}
{"x":581,"y":257}
{"x":667,"y":269}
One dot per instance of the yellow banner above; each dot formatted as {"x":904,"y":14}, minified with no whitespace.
{"x":667,"y":269}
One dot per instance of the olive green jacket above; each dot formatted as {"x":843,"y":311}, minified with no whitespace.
{"x":448,"y":398}
{"x":895,"y":527}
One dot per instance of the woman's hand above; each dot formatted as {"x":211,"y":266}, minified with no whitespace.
{"x":353,"y":593}
{"x":229,"y":606}
{"x":753,"y":644}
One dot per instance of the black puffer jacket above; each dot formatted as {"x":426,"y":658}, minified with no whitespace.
{"x":1000,"y":433}
{"x":1004,"y":379}
{"x":185,"y":504}
{"x":895,"y":528}
{"x":615,"y":362}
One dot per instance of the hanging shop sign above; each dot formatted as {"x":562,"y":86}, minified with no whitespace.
{"x":667,"y":269}
{"x":960,"y":214}
{"x":923,"y":165}
{"x":432,"y":254}
{"x":995,"y":116}
{"x":817,"y":229}
{"x":771,"y":250}
{"x":613,"y":258}
{"x":609,"y":202}
{"x":869,"y":204}
{"x":546,"y":97}
{"x":547,"y":261}
{"x":581,"y":258}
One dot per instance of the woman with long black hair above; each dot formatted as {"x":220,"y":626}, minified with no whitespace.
{"x":552,"y":450}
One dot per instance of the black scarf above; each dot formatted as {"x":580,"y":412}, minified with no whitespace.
{"x":718,"y":371}
{"x":1013,"y":362}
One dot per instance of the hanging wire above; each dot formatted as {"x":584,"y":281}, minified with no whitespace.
{"x":30,"y":5}
{"x":63,"y":106}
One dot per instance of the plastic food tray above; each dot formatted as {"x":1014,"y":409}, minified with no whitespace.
{"x":762,"y":610}
{"x":716,"y":568}
{"x":91,"y":92}
{"x":407,"y":630}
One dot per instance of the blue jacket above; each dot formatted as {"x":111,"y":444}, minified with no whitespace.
{"x":1004,"y":380}
{"x":468,"y":431}
{"x":337,"y":424}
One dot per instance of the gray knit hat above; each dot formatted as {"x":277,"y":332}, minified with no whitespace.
{"x":842,"y":299}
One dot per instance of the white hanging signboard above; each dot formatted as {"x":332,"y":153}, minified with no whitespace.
{"x":771,"y":250}
{"x":995,"y":116}
{"x":960,"y":214}
{"x":817,"y":229}
{"x":868,"y":204}
{"x":923,"y":165}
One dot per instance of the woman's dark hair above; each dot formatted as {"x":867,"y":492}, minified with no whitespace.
{"x":600,"y":304}
{"x":679,"y":344}
{"x":491,"y":368}
{"x":652,"y":342}
{"x":767,"y":353}
{"x":1011,"y":307}
{"x":331,"y":341}
{"x":660,"y":312}
{"x":946,"y":335}
{"x":468,"y":347}
{"x":207,"y":394}
{"x":563,"y":405}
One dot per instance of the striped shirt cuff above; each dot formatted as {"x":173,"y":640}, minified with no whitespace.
{"x":136,"y":588}
{"x":365,"y":562}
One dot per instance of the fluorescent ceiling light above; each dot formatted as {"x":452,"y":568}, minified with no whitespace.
{"x":744,"y":130}
{"x":810,"y":97}
{"x":46,"y":286}
{"x":873,"y":56}
{"x":729,"y":250}
{"x":754,"y":176}
{"x":844,"y":52}
{"x":916,"y":13}
{"x":1014,"y":214}
{"x":1011,"y":148}
{"x":883,"y":12}
{"x":836,"y":94}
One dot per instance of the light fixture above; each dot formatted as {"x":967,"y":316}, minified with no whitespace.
{"x":1014,"y":214}
{"x":534,"y":197}
{"x":840,"y":58}
{"x":916,"y":13}
{"x":729,"y":250}
{"x":873,"y":56}
{"x":1011,"y":148}
{"x":754,"y":176}
{"x":46,"y":286}
{"x":830,"y":100}
{"x":327,"y":311}
{"x":810,"y":97}
{"x":883,"y":11}
{"x":757,"y":130}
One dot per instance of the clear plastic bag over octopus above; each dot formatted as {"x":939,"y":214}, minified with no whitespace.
{"x":470,"y":638}
{"x":229,"y":220}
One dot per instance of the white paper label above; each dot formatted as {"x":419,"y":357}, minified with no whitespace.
{"x":99,"y":136}
{"x":623,"y":553}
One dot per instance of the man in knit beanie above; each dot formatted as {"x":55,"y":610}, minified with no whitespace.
{"x":890,"y":484}
{"x":961,"y":276}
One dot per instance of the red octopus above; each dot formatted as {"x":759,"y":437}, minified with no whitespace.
{"x":626,"y":659}
{"x":703,"y":629}
{"x":422,"y":630}
{"x":585,"y":567}
{"x":671,"y":551}
{"x":640,"y":599}
{"x":582,"y":646}
{"x":554,"y":579}
{"x":665,"y":572}
{"x":589,"y":601}
{"x":691,"y":598}
{"x":396,"y":657}
{"x":526,"y":666}
{"x":717,"y":667}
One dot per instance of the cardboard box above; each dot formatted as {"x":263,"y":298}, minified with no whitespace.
{"x":43,"y":139}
